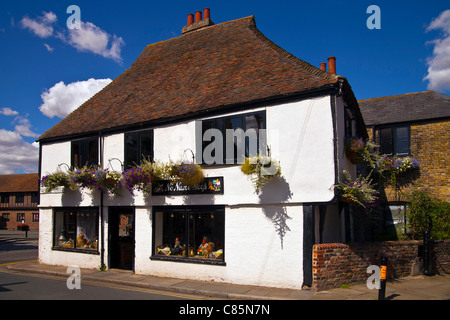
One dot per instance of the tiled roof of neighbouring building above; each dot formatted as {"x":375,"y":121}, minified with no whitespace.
{"x":409,"y":107}
{"x":27,"y":182}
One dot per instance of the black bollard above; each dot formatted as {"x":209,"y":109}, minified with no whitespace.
{"x":383,"y":271}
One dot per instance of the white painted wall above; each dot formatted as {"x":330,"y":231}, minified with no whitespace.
{"x":263,"y":246}
{"x":300,"y":135}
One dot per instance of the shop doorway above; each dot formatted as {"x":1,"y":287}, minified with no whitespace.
{"x":121,"y":237}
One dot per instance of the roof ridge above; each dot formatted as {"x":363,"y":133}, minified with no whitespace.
{"x":297,"y":61}
{"x":402,"y":95}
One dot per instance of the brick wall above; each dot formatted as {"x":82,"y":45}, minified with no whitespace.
{"x":335,"y":264}
{"x":12,"y":223}
{"x":430,"y":144}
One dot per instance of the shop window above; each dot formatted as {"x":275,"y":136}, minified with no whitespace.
{"x":138,"y":146}
{"x":76,"y":229}
{"x":247,"y":138}
{"x":85,"y":152}
{"x":189,"y":234}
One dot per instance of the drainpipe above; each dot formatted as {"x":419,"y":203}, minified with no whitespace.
{"x":102,"y":225}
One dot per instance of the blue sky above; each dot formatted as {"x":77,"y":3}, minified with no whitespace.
{"x":46,"y":69}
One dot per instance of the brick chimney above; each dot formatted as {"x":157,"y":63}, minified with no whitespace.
{"x":332,"y":65}
{"x":200,"y":21}
{"x":323,"y":66}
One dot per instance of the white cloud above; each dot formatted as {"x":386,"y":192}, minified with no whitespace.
{"x":90,"y":38}
{"x":24,"y":128}
{"x":48,"y":47}
{"x":41,"y":26}
{"x":439,"y":64}
{"x":8,"y":112}
{"x":16,"y":154}
{"x":62,"y":99}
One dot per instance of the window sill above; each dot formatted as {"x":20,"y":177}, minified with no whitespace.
{"x":189,"y":260}
{"x":87,"y":251}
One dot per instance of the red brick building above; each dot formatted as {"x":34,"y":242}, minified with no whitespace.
{"x":19,"y":198}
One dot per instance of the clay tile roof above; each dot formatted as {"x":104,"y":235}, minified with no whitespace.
{"x":408,"y":107}
{"x":28,"y":182}
{"x":213,"y":67}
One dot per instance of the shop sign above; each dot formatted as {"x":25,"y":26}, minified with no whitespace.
{"x":211,"y":185}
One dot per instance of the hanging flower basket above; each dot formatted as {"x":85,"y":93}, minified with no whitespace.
{"x":359,"y":191}
{"x":261,"y":169}
{"x":353,"y":156}
{"x":346,"y":199}
{"x":353,"y":148}
{"x":190,"y":174}
{"x":136,"y":178}
{"x":57,"y":179}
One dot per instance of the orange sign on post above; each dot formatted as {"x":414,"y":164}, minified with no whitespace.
{"x":383,"y":273}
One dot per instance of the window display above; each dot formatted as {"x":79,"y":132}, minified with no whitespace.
{"x":76,"y":228}
{"x":189,"y":233}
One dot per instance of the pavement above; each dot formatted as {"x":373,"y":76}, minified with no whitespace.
{"x":420,"y":287}
{"x":13,"y":235}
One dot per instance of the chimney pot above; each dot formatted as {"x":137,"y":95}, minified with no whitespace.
{"x":323,"y":66}
{"x":198,"y":16}
{"x":332,"y":64}
{"x":190,"y":19}
{"x":206,"y":13}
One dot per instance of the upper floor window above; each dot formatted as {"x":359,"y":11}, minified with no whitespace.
{"x":394,"y":140}
{"x":5,"y":197}
{"x":19,"y":197}
{"x":351,"y":122}
{"x":34,"y":197}
{"x":85,"y":152}
{"x":138,"y":146}
{"x":227,"y":140}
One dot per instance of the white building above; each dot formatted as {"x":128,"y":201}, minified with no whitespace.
{"x":211,"y":76}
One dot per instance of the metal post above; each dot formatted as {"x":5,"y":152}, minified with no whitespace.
{"x":426,"y":252}
{"x":383,"y":271}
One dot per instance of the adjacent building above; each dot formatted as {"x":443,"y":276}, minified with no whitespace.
{"x":224,"y":76}
{"x":418,"y":125}
{"x":19,"y":195}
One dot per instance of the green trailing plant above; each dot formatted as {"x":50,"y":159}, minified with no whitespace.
{"x":359,"y":191}
{"x":261,"y":170}
{"x":52,"y":181}
{"x":159,"y":170}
